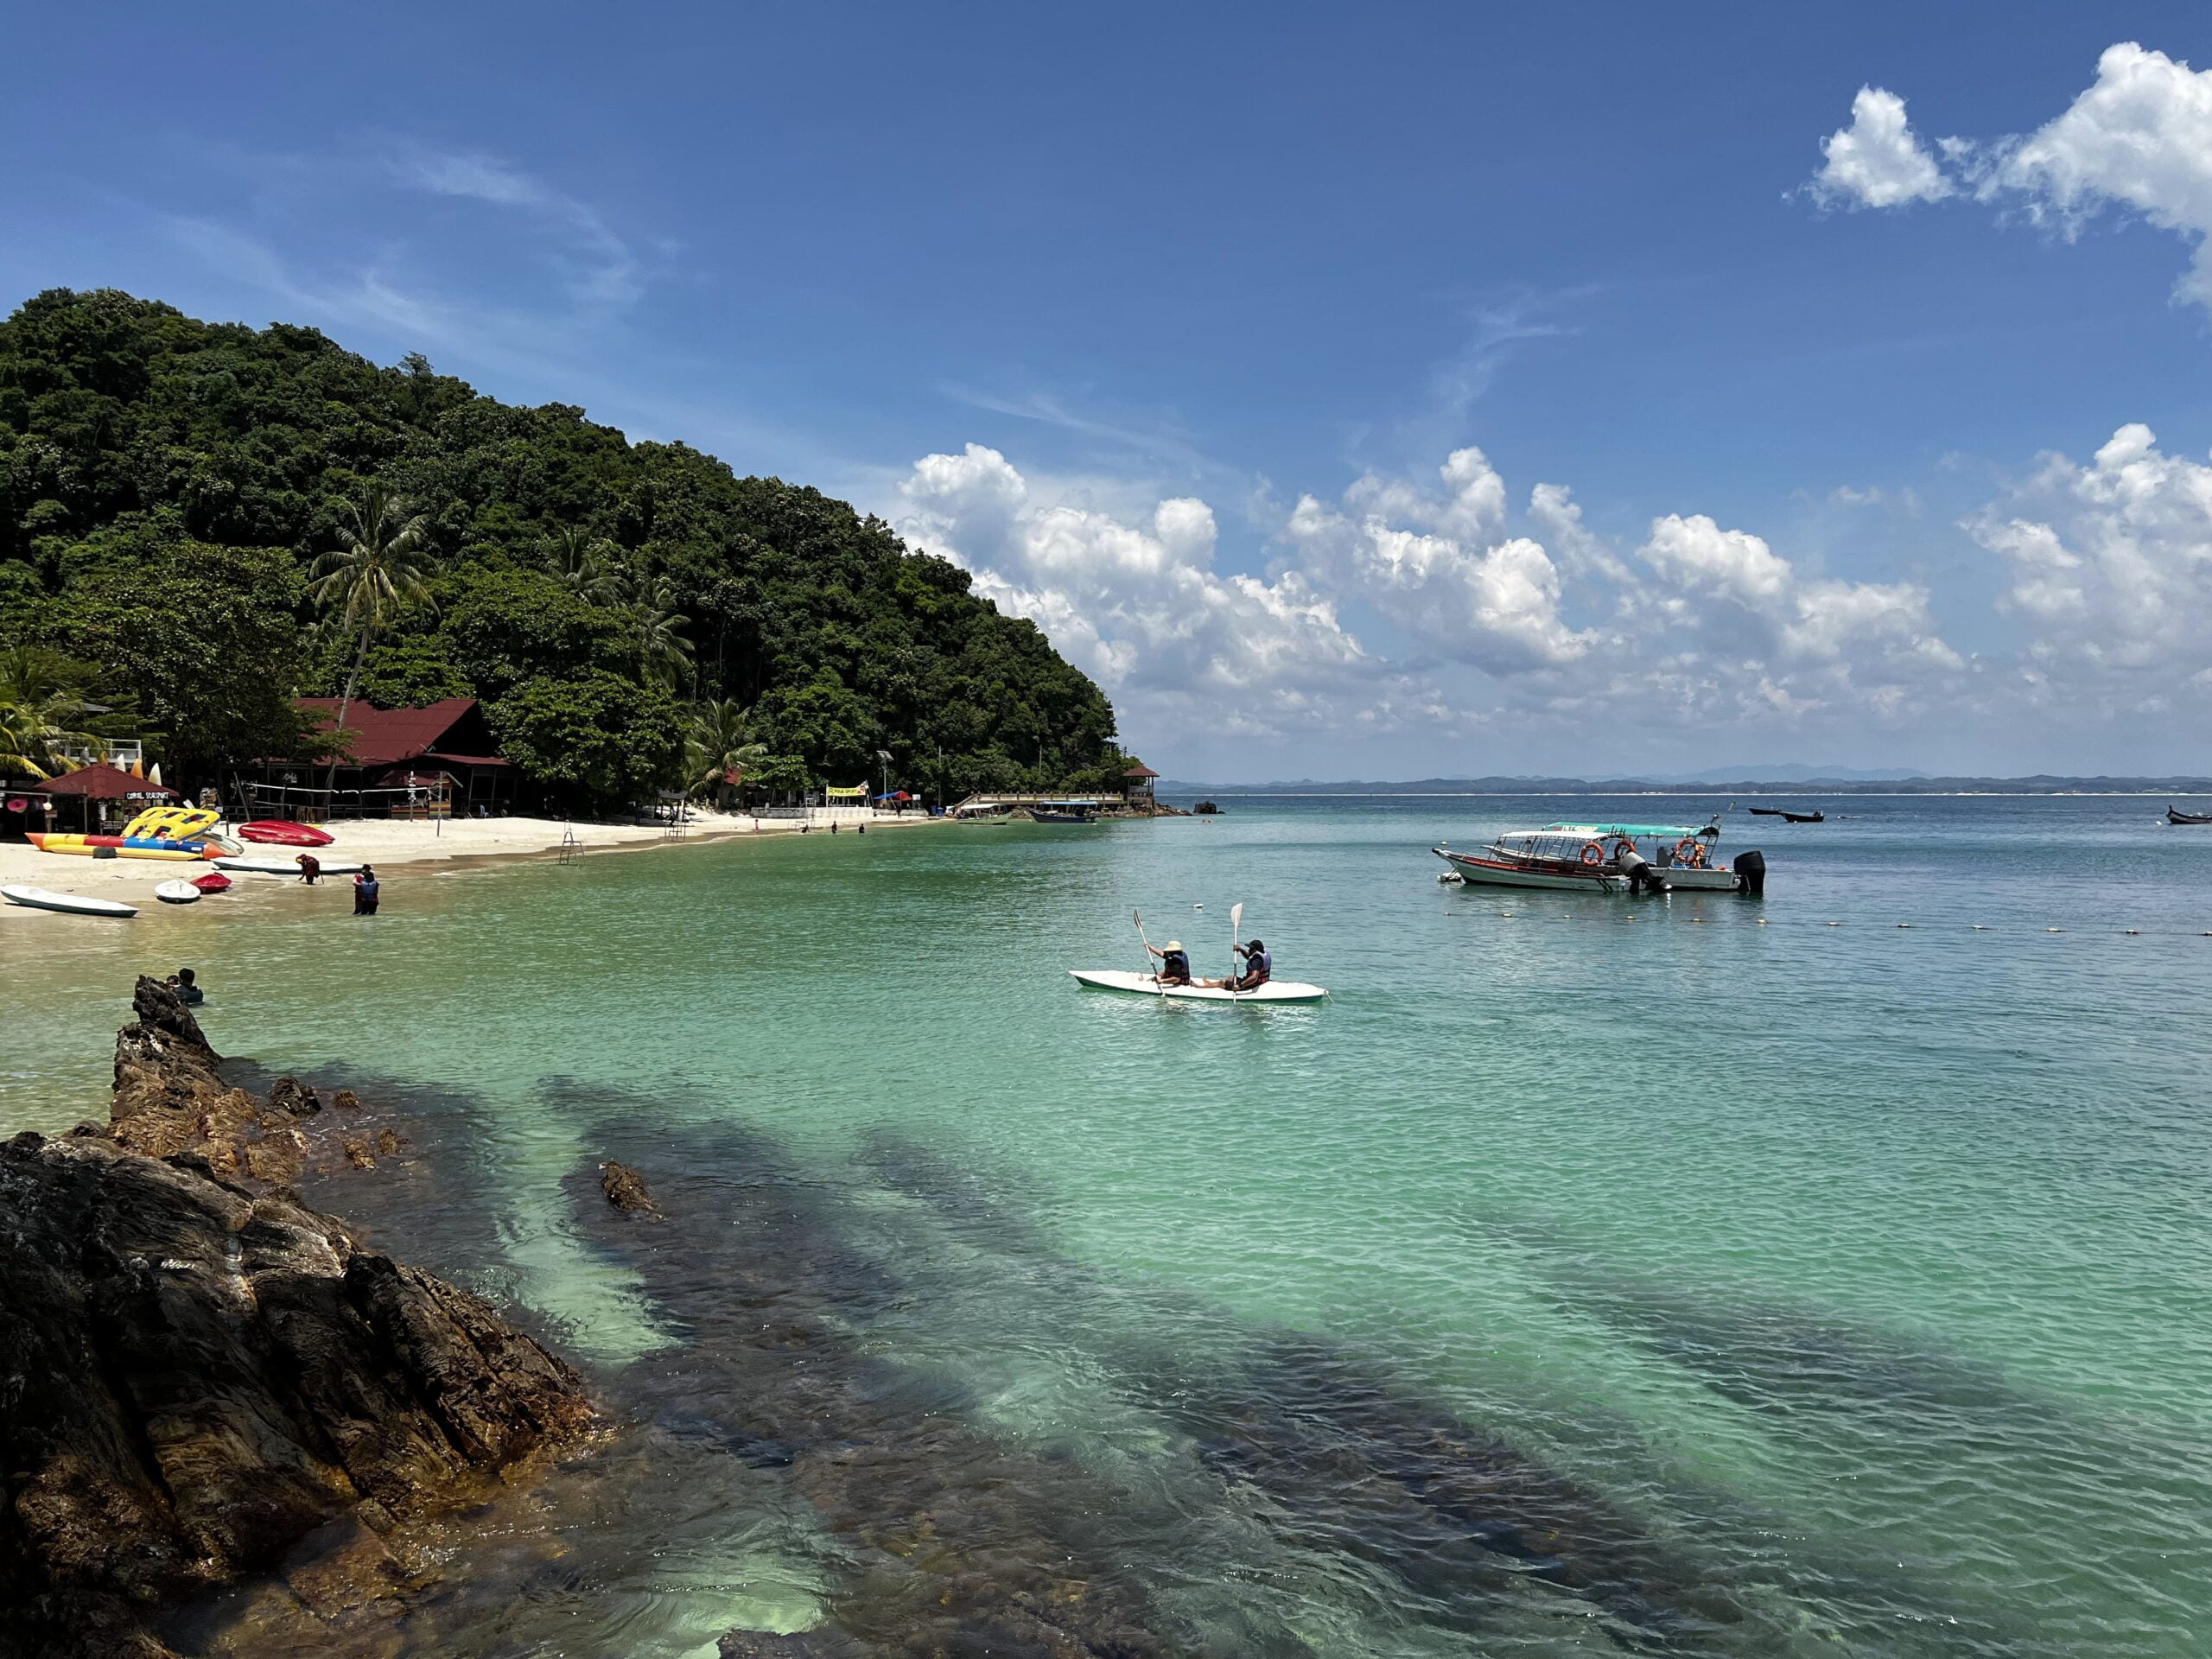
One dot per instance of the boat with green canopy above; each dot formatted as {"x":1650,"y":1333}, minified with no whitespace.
{"x":1609,"y":857}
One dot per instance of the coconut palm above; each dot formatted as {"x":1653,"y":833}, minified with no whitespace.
{"x":382,"y":564}
{"x":586,"y":565}
{"x":715,"y":745}
{"x":664,"y":653}
{"x":41,"y":700}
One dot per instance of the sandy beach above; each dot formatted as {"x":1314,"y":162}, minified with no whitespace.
{"x":378,"y":842}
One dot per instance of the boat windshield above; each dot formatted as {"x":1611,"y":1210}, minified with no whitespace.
{"x":1633,"y":831}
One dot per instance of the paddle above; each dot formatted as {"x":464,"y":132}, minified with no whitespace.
{"x":1235,"y":938}
{"x":1139,"y":915}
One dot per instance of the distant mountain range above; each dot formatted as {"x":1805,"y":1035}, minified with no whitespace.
{"x":1766,"y":780}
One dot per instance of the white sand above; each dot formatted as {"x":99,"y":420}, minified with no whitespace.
{"x":371,"y":841}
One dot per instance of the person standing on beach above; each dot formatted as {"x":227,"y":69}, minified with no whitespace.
{"x":310,"y":868}
{"x":367,"y":889}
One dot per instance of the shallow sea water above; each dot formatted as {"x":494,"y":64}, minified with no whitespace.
{"x":1687,"y":1274}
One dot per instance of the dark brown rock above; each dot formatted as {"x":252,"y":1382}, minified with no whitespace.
{"x":290,"y":1095}
{"x":198,"y":1372}
{"x":626,"y":1190}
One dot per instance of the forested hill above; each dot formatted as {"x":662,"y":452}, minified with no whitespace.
{"x":165,"y":484}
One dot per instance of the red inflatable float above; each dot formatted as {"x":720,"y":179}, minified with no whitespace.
{"x":213,"y":881}
{"x":283,"y":832}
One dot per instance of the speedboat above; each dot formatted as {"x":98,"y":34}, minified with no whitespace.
{"x":1608,"y":858}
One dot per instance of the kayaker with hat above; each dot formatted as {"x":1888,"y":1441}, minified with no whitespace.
{"x":1175,"y":963}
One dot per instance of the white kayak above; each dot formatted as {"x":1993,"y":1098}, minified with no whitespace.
{"x":1275,"y":990}
{"x":177,"y":893}
{"x":68,"y":903}
{"x":280,"y":867}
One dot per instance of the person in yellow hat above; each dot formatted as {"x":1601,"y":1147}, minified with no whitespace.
{"x":1175,"y":963}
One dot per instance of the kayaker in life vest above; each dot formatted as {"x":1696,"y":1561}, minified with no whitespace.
{"x":1175,"y":963}
{"x":1258,"y":967}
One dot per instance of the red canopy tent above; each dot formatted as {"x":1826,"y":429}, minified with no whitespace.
{"x":101,"y":782}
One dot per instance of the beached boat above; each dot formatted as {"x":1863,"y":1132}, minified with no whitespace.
{"x":2173,"y":817}
{"x":283,"y":832}
{"x":1607,"y":858}
{"x":68,"y":903}
{"x":281,"y":866}
{"x":1065,"y":812}
{"x":1275,"y":990}
{"x":116,"y":846}
{"x":983,"y":813}
{"x":213,"y":881}
{"x":178,"y":892}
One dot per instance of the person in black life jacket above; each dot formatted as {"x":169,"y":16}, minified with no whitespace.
{"x":367,"y":891}
{"x":1175,"y":963}
{"x":1259,"y":966}
{"x":184,"y":982}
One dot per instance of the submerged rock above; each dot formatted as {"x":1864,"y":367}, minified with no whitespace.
{"x":625,"y":1189}
{"x":199,"y":1372}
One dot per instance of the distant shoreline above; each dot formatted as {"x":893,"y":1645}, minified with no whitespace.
{"x":2147,"y":788}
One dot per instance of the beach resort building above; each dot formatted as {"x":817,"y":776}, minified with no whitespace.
{"x":436,"y":760}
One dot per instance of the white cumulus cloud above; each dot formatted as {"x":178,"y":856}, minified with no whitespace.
{"x":1139,"y":606}
{"x":1878,"y":161}
{"x":1477,"y":619}
{"x":2109,"y":568}
{"x":2138,"y":139}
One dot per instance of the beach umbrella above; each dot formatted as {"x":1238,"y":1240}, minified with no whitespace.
{"x":155,"y":776}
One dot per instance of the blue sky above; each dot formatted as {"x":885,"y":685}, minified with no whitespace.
{"x":1378,"y":393}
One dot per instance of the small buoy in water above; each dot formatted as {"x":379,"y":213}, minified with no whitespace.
{"x":2054,"y":930}
{"x":2130,"y":932}
{"x":1905,"y":923}
{"x":1835,"y":923}
{"x":1979,"y":928}
{"x":1762,"y":921}
{"x":1198,"y":906}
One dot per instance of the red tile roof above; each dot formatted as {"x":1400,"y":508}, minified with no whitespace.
{"x":1139,"y":771}
{"x":102,"y":782}
{"x":384,"y":737}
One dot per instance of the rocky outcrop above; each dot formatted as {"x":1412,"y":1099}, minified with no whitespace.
{"x":197,"y":1372}
{"x":624,"y":1188}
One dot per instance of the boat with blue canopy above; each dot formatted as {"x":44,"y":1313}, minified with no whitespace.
{"x":1610,"y":857}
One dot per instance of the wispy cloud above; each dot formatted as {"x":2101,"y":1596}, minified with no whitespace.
{"x":598,"y":266}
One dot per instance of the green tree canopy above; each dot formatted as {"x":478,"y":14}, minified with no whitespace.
{"x":562,"y":550}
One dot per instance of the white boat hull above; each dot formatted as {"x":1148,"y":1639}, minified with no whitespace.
{"x":1275,"y":990}
{"x":1490,"y":873}
{"x":68,"y":903}
{"x":280,"y":867}
{"x":177,"y":893}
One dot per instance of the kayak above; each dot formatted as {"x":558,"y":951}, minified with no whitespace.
{"x":68,"y":903}
{"x":283,"y":832}
{"x":279,"y":866}
{"x":1275,"y":990}
{"x":178,"y":892}
{"x":213,"y":881}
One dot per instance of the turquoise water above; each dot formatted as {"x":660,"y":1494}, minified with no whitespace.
{"x":1773,"y":1278}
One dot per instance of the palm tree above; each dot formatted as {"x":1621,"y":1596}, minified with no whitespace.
{"x":41,"y":700}
{"x":716,"y":745}
{"x":586,"y":565}
{"x":381,"y":565}
{"x":663,"y":651}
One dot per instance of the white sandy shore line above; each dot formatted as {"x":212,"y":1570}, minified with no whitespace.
{"x":375,"y":841}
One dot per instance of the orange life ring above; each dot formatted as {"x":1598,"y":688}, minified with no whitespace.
{"x":1622,"y":845}
{"x":1592,"y":853}
{"x":1689,"y":852}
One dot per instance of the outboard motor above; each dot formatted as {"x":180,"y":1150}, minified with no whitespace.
{"x":1750,"y":873}
{"x":1642,"y":877}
